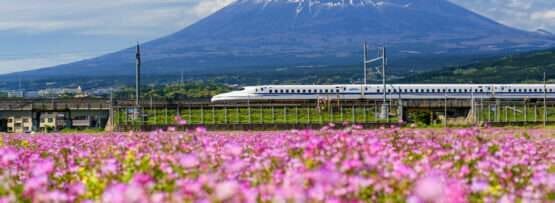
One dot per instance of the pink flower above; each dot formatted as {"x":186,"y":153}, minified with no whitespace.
{"x":180,"y":121}
{"x":233,"y":149}
{"x":141,"y":179}
{"x":430,"y":189}
{"x":114,"y":194}
{"x":7,"y":156}
{"x":109,"y":166}
{"x":56,"y":196}
{"x":34,"y":184}
{"x":42,"y":167}
{"x":76,"y":189}
{"x":200,"y":130}
{"x":189,"y":161}
{"x":479,"y":186}
{"x":226,"y":190}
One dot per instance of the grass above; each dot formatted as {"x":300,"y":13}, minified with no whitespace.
{"x":257,"y":115}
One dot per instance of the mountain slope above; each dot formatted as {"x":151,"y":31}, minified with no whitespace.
{"x":256,"y":33}
{"x":521,"y":68}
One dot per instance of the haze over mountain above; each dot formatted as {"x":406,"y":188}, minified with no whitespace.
{"x":249,"y":34}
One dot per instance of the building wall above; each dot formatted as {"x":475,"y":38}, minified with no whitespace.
{"x":52,"y":121}
{"x":27,"y":121}
{"x":19,"y":121}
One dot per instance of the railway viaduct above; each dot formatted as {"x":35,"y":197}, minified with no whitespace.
{"x":103,"y":113}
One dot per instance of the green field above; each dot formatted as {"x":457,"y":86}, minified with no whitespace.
{"x":516,"y":114}
{"x":257,"y":115}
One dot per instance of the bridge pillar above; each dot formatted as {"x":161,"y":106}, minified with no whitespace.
{"x":400,"y":111}
{"x":384,"y":112}
{"x":498,"y":110}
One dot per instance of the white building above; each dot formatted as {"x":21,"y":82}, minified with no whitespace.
{"x":52,"y":121}
{"x":20,"y":124}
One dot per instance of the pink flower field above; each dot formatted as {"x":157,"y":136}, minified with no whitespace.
{"x":341,"y":165}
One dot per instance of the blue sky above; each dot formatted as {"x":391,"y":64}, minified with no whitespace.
{"x":41,"y":33}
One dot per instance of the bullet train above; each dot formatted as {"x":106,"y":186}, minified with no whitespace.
{"x":393,"y":91}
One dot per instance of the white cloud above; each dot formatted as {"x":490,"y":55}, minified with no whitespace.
{"x":10,"y":65}
{"x":105,"y":17}
{"x":544,"y":15}
{"x":206,"y":7}
{"x":112,"y":21}
{"x":524,"y":14}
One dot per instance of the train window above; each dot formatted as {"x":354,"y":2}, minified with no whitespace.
{"x":337,"y":90}
{"x":378,"y":90}
{"x":270,"y":91}
{"x":326,"y":91}
{"x":304,"y":91}
{"x":366,"y":89}
{"x":481,"y":90}
{"x":388,"y":90}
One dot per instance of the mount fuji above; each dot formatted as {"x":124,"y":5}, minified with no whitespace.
{"x":249,"y":34}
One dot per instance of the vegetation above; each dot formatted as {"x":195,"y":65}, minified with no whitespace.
{"x":240,"y":115}
{"x":193,"y":90}
{"x":521,"y":68}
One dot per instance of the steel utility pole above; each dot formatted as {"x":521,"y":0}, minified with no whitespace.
{"x":544,"y":99}
{"x":138,"y":78}
{"x":383,"y":59}
{"x":385,"y":106}
{"x":365,"y":47}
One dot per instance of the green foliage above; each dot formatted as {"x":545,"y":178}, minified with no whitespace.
{"x":420,"y":118}
{"x":86,"y":130}
{"x":194,"y":90}
{"x":521,"y":68}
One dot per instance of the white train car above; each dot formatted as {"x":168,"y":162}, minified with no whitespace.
{"x":394,"y":91}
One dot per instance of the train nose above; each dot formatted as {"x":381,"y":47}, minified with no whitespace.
{"x":217,"y":98}
{"x":222,"y":97}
